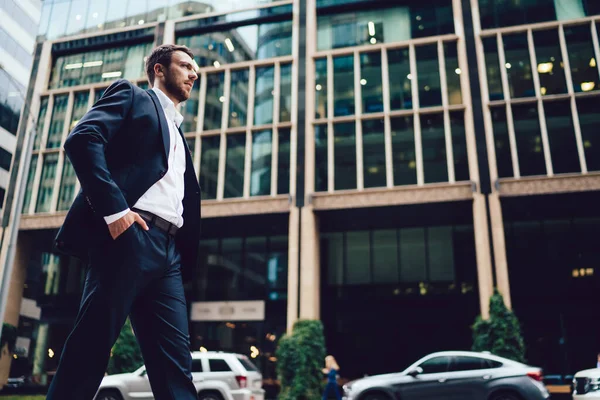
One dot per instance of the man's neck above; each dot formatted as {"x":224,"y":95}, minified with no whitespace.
{"x":166,"y":93}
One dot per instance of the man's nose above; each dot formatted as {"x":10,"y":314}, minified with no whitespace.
{"x":193,"y":76}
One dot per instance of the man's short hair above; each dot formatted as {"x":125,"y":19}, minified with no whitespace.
{"x":163,"y":55}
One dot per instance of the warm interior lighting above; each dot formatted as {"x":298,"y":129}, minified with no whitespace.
{"x":587,"y":86}
{"x":373,"y":40}
{"x":545,"y":68}
{"x":371,"y":28}
{"x":217,"y":64}
{"x":508,"y":66}
{"x":593,"y":62}
{"x":229,"y":45}
{"x":115,"y":74}
{"x":92,"y":64}
{"x":543,"y":90}
{"x":73,"y":66}
{"x":203,"y":349}
{"x":254,"y":352}
{"x":363,"y":82}
{"x":319,"y":87}
{"x":458,"y":71}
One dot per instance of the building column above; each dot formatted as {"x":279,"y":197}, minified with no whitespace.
{"x":310,"y":271}
{"x":483,"y":254}
{"x":498,"y":239}
{"x":293,"y":254}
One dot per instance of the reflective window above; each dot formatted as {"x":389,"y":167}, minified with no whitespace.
{"x":263,"y":102}
{"x":358,"y":258}
{"x":189,"y":110}
{"x":80,"y":107}
{"x":46,"y":187}
{"x":435,"y":163}
{"x":285,"y":93}
{"x":41,"y":119}
{"x":372,"y":89}
{"x":214,"y":101}
{"x":255,"y":252}
{"x":413,"y":259}
{"x":77,"y":16}
{"x":403,"y":151}
{"x":11,"y":102}
{"x":385,"y":256}
{"x":29,"y":187}
{"x":518,"y":65}
{"x":492,"y":67}
{"x":66,"y":195}
{"x":321,"y":158}
{"x":440,"y":250}
{"x":561,"y":135}
{"x":234,"y":165}
{"x":584,"y":70}
{"x":115,"y":15}
{"x":529,"y":139}
{"x":246,"y":43}
{"x":400,"y":79}
{"x":374,"y":153}
{"x":5,"y":160}
{"x":238,"y":100}
{"x":58,"y":19}
{"x":550,"y":64}
{"x":283,"y":161}
{"x":262,"y":152}
{"x":428,"y":74}
{"x":321,"y":88}
{"x":589,"y":121}
{"x":209,"y":166}
{"x":502,"y":142}
{"x":459,"y":146}
{"x":343,"y":85}
{"x":57,"y":121}
{"x":453,"y":73}
{"x":340,"y":25}
{"x":344,"y":156}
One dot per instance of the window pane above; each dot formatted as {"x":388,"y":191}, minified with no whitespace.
{"x":277,"y":265}
{"x":459,"y":146}
{"x":209,"y":166}
{"x":134,"y":65}
{"x":403,"y":149}
{"x":428,"y":68}
{"x":113,"y":64}
{"x":136,"y":13}
{"x":453,"y":74}
{"x":92,"y":72}
{"x":584,"y":70}
{"x":115,"y":17}
{"x":263,"y":102}
{"x":47,"y":183}
{"x":217,"y":365}
{"x":374,"y":153}
{"x":98,"y":94}
{"x":191,"y":144}
{"x":58,"y":20}
{"x":400,"y":79}
{"x":435,"y":365}
{"x":468,"y":364}
{"x":435,"y":163}
{"x":344,"y":156}
{"x":57,"y":122}
{"x":529,"y":140}
{"x":550,"y":63}
{"x":372,"y":90}
{"x":502,"y":142}
{"x":498,"y":13}
{"x":214,"y":101}
{"x":29,"y":187}
{"x":238,"y":101}
{"x":321,"y":88}
{"x":343,"y":84}
{"x":255,"y":255}
{"x":66,"y":195}
{"x":385,"y":257}
{"x":39,"y":130}
{"x":197,"y":365}
{"x":492,"y":67}
{"x":561,"y":135}
{"x":413,"y":266}
{"x":321,"y":158}
{"x":77,"y":16}
{"x":260,"y":178}
{"x":440,"y":251}
{"x":283,"y":162}
{"x":285,"y":95}
{"x":234,"y":167}
{"x":332,"y":250}
{"x":189,"y":110}
{"x":518,"y":65}
{"x":96,"y":16}
{"x":358,"y":260}
{"x":80,"y":107}
{"x":589,"y":120}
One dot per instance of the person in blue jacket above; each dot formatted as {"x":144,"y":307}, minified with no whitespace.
{"x":331,"y":369}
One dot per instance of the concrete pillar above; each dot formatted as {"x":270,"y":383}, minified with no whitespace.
{"x":483,"y":253}
{"x":310,"y":271}
{"x":293,"y":252}
{"x":498,"y":238}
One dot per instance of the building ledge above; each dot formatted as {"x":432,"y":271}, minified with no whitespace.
{"x":42,"y":221}
{"x":379,"y":197}
{"x":530,"y":186}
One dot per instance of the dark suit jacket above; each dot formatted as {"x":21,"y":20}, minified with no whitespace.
{"x":119,"y":150}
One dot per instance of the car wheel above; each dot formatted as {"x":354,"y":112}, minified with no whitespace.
{"x":505,"y":396}
{"x":376,"y":396}
{"x":109,"y":395}
{"x":209,"y":396}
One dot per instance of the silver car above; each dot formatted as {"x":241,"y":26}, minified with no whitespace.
{"x":456,"y":375}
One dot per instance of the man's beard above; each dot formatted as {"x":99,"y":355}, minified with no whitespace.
{"x":175,"y":90}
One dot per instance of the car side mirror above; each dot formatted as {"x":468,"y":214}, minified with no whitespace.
{"x":416,"y":371}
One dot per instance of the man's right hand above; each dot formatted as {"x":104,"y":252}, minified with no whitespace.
{"x":121,"y":225}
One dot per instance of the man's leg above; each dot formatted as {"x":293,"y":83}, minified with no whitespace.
{"x":110,"y":289}
{"x":159,"y":318}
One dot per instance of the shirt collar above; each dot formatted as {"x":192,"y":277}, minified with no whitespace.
{"x":169,"y":107}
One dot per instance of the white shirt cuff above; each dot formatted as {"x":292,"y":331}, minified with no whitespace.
{"x":112,"y":218}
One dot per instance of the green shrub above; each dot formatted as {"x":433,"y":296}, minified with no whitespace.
{"x":501,"y":333}
{"x":126,"y":354}
{"x":300,"y":358}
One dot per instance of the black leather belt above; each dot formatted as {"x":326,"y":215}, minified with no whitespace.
{"x":157,"y":221}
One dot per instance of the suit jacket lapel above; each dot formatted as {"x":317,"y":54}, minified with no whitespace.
{"x":164,"y":126}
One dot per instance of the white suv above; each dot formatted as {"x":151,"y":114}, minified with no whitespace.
{"x":217,"y":376}
{"x":586,"y":385}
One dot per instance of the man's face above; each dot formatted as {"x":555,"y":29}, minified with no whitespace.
{"x":180,"y":76}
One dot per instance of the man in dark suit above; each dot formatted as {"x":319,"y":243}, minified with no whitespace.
{"x":137,"y":223}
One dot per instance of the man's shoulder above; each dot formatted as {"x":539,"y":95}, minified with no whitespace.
{"x":124,"y":85}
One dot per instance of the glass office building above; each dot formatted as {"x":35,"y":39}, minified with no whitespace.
{"x":378,"y":165}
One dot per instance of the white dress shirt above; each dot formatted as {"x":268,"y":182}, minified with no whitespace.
{"x":165,"y":197}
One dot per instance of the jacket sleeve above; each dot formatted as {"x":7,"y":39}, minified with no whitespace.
{"x":85,"y":147}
